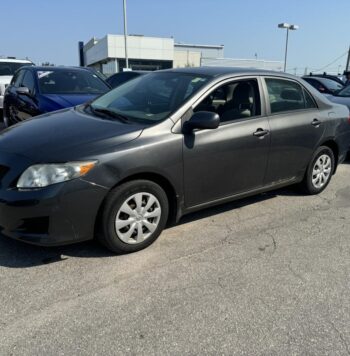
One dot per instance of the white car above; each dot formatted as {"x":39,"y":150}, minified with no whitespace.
{"x":8,"y":67}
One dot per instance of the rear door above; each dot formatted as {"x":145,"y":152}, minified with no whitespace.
{"x":231,"y":159}
{"x":296,"y":128}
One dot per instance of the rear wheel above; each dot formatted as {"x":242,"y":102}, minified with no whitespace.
{"x":133,"y":216}
{"x":320,"y":170}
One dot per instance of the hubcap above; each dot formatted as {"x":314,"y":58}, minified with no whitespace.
{"x":321,"y":171}
{"x":138,"y":218}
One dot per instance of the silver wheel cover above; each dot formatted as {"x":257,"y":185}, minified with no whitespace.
{"x":137,"y":218}
{"x":321,"y":171}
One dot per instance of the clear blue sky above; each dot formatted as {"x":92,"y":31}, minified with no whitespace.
{"x":48,"y":30}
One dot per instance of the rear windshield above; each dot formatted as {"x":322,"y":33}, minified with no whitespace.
{"x":9,"y":68}
{"x":70,"y":82}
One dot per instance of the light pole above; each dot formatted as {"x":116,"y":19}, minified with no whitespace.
{"x":125,"y":36}
{"x":287,"y":27}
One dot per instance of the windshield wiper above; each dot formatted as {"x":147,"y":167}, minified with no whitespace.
{"x":109,"y":113}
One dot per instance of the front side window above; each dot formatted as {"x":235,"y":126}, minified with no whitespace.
{"x":152,"y":97}
{"x":233,"y":101}
{"x":285,"y":95}
{"x":17,"y":79}
{"x":28,"y":81}
{"x":66,"y":81}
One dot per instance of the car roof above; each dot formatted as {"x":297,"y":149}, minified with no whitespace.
{"x":61,"y":68}
{"x":225,"y":71}
{"x":15,"y":60}
{"x":216,"y":72}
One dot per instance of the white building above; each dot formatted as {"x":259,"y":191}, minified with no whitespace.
{"x":152,"y":53}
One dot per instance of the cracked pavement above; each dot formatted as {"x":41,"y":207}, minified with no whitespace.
{"x":267,"y":275}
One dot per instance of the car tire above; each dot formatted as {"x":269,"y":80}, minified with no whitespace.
{"x":133,"y":216}
{"x":319,"y":171}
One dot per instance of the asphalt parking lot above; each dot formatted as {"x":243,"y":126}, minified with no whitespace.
{"x":268,"y":275}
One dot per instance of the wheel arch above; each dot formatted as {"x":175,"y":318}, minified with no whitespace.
{"x":331,"y":143}
{"x":157,"y":178}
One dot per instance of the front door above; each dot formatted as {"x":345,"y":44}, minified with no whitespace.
{"x":232,"y":158}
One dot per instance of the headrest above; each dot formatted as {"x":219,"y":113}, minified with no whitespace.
{"x":291,"y":94}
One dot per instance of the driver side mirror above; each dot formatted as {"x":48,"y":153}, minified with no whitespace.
{"x":203,"y":120}
{"x":23,"y":91}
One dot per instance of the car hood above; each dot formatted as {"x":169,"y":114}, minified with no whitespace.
{"x":5,"y":79}
{"x":66,"y":135}
{"x":68,"y":100}
{"x":339,"y":100}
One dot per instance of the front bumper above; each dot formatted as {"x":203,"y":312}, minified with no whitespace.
{"x":56,"y":215}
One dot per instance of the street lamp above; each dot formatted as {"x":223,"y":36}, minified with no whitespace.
{"x":125,"y":36}
{"x":287,"y":27}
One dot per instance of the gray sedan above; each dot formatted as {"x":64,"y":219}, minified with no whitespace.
{"x":161,"y":146}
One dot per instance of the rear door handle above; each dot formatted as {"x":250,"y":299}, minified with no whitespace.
{"x":316,"y":122}
{"x":261,"y":133}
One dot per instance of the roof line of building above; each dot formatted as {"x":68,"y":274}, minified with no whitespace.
{"x":242,"y":59}
{"x":198,"y":45}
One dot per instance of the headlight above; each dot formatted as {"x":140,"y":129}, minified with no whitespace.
{"x":42,"y":175}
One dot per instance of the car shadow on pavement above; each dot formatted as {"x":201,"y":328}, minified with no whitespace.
{"x":16,"y":254}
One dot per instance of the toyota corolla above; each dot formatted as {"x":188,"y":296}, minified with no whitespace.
{"x":163,"y":145}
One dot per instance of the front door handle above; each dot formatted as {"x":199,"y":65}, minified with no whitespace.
{"x":261,"y":133}
{"x":316,"y":122}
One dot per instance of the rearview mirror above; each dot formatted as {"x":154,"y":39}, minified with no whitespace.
{"x":203,"y":120}
{"x":23,"y":91}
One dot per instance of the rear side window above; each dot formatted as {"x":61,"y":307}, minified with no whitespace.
{"x":285,"y":95}
{"x":309,"y":101}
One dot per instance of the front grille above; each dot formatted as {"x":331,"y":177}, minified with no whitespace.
{"x":34,"y":226}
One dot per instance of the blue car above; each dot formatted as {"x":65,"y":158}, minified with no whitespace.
{"x":38,"y":90}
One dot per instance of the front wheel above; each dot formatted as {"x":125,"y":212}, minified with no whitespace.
{"x":320,"y":170}
{"x":133,"y":216}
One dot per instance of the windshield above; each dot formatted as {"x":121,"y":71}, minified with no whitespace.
{"x":345,"y":91}
{"x":151,"y":97}
{"x":67,"y":81}
{"x":9,"y":68}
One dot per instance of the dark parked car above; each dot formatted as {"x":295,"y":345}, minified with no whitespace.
{"x":324,"y":85}
{"x":120,"y":78}
{"x":37,"y":90}
{"x":163,"y":145}
{"x":336,"y":78}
